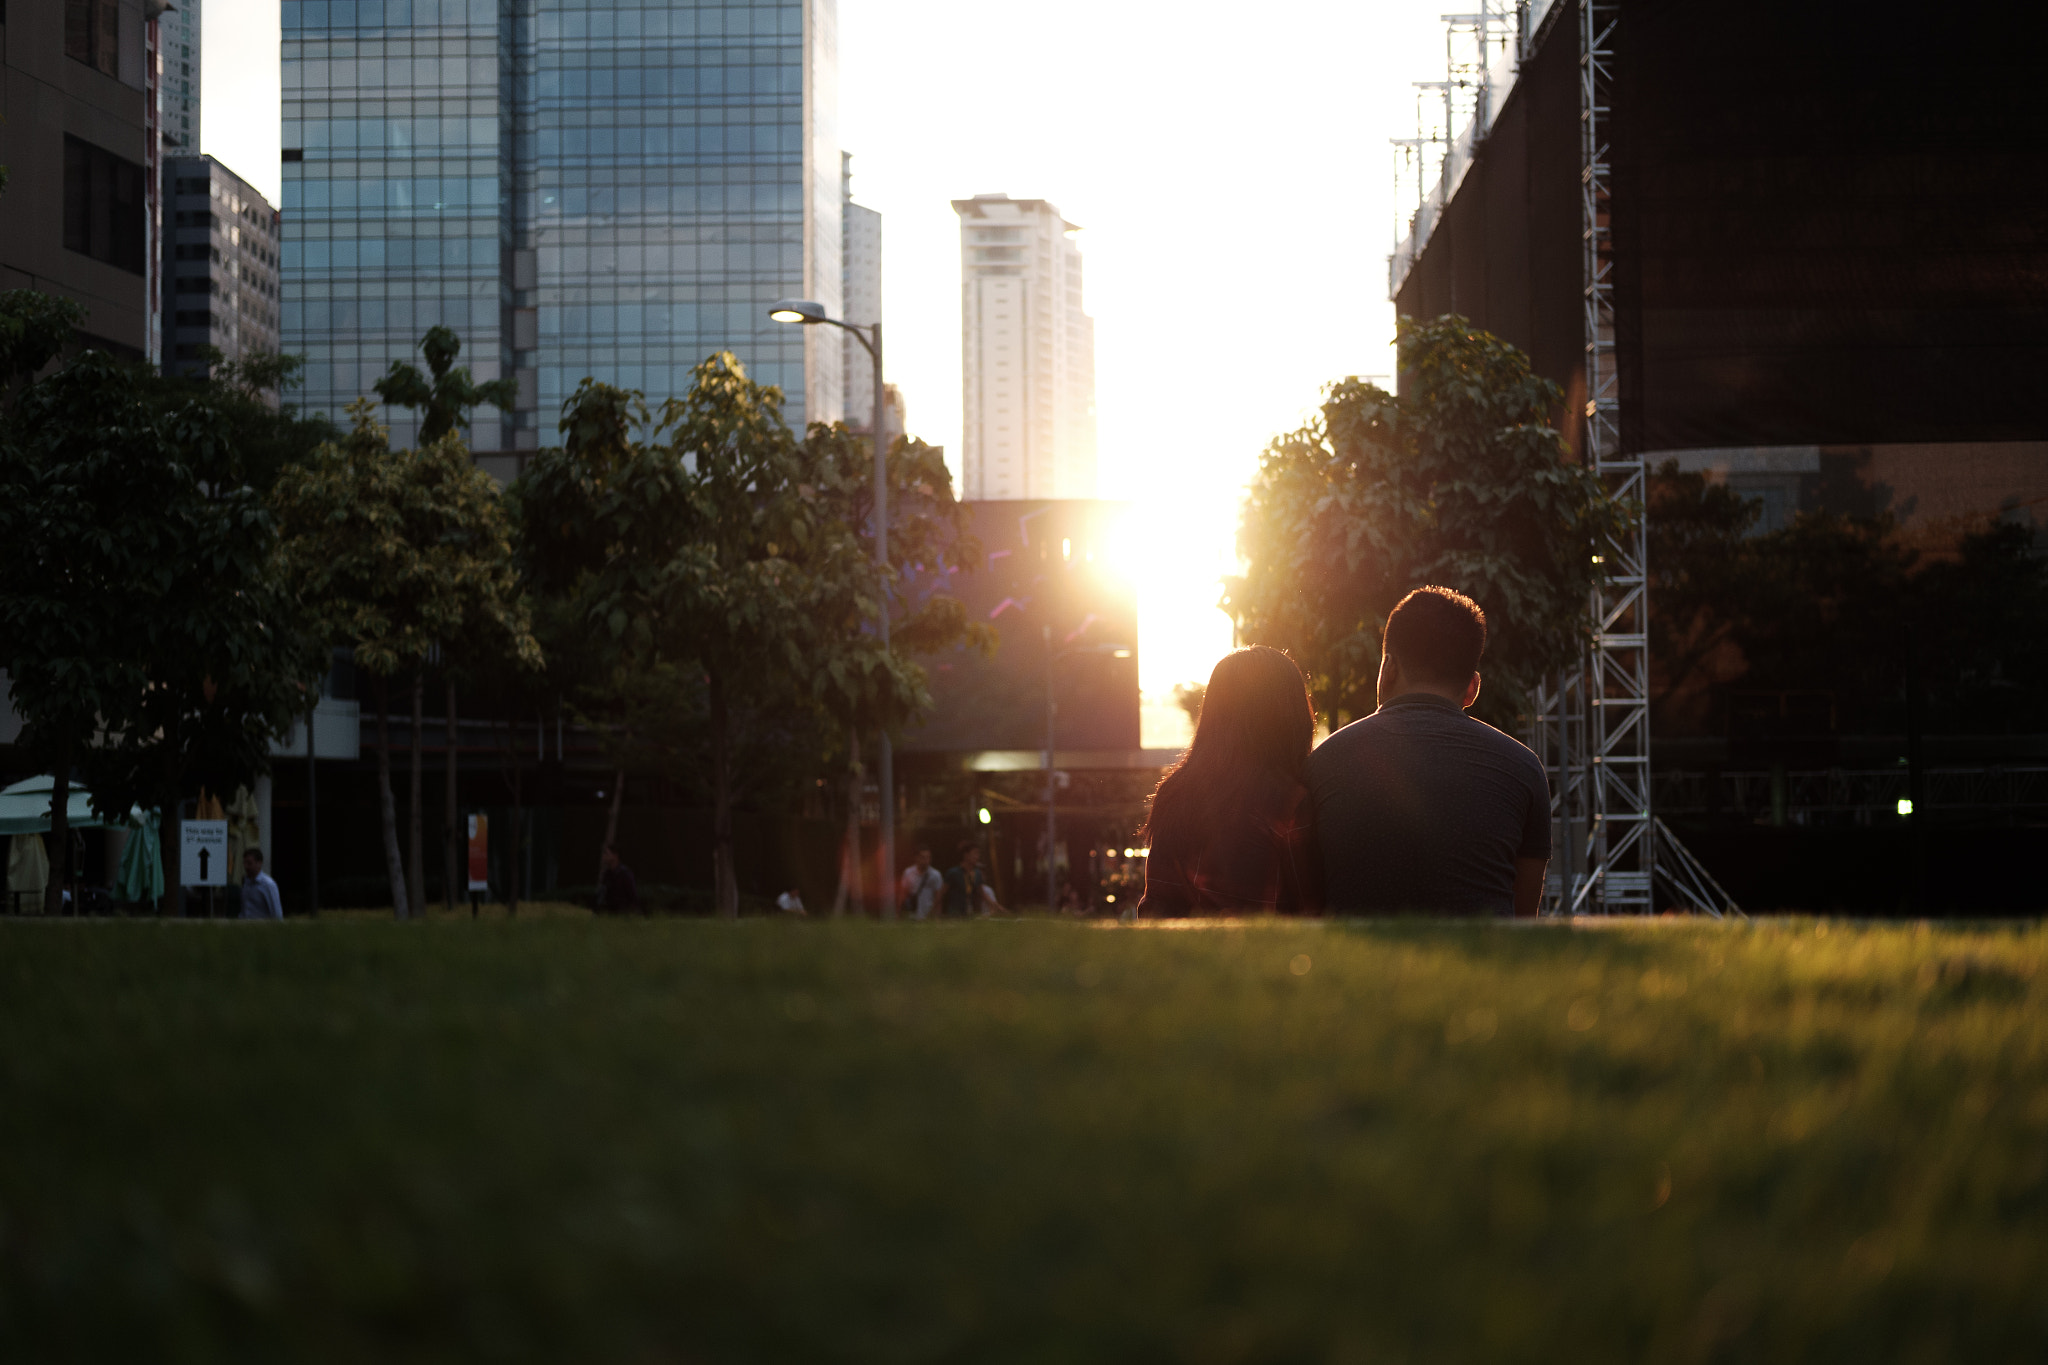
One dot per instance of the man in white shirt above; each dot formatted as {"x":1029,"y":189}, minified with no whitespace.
{"x":259,"y":893}
{"x":918,"y":892}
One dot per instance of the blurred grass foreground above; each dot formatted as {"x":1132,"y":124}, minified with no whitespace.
{"x":686,"y":1141}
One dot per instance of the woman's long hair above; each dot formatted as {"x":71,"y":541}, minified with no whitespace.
{"x":1254,"y":733}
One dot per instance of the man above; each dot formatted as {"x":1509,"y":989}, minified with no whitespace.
{"x":919,"y":888}
{"x":1419,"y":807}
{"x":618,"y":891}
{"x":967,"y":888}
{"x":259,"y":893}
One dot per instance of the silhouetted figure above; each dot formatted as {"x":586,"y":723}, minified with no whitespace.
{"x":1230,"y":828}
{"x":1419,"y":807}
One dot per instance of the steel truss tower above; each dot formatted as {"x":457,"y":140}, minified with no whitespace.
{"x":1592,"y":725}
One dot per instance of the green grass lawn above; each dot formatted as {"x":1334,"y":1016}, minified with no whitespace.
{"x":583,"y":1140}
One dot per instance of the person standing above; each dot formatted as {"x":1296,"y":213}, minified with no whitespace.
{"x":920,"y":886}
{"x":259,"y":893}
{"x":619,"y":891}
{"x":1420,"y":808}
{"x":967,"y":890}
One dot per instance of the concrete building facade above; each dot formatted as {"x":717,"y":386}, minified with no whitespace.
{"x":76,"y":220}
{"x":1027,"y":353}
{"x":220,"y":265}
{"x":611,"y":188}
{"x":862,"y":293}
{"x":178,"y":83}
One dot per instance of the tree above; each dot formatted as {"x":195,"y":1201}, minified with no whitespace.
{"x":267,"y":429}
{"x":1833,"y":602}
{"x":394,"y":552}
{"x":148,"y":640}
{"x":708,"y":546}
{"x":443,"y":396}
{"x":1461,"y":481}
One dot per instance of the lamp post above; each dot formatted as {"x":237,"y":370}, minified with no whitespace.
{"x":1052,"y":778}
{"x":807,"y":313}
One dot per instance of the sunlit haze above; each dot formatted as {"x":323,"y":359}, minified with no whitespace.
{"x":1233,"y":186}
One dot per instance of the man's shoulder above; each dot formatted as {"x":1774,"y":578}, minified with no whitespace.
{"x":1511,"y":750}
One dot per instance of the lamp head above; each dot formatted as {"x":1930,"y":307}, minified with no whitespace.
{"x":797,"y":310}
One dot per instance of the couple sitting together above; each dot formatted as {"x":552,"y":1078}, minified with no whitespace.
{"x":1417,"y":808}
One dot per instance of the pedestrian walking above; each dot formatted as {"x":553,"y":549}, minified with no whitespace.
{"x":259,"y":893}
{"x":921,"y":885}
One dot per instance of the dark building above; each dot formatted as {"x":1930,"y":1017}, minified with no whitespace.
{"x":220,"y":265}
{"x":76,"y":219}
{"x":1064,"y":619}
{"x":1829,"y":270}
{"x":1830,"y":249}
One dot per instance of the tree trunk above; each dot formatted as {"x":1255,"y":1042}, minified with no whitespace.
{"x":512,"y":886}
{"x":312,"y":816}
{"x":849,"y":842}
{"x":451,"y":813}
{"x":415,"y":817}
{"x":611,"y":833}
{"x":169,"y":827}
{"x":387,"y":807}
{"x":60,"y":828}
{"x":725,"y":884}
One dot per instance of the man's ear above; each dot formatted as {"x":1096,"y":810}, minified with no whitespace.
{"x":1471,"y":692}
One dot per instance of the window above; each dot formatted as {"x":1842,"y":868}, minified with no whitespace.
{"x":103,"y":206}
{"x":91,"y":29}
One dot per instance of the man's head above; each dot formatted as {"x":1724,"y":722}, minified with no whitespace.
{"x":970,"y":854}
{"x":610,"y":859}
{"x":924,"y":857}
{"x":1432,"y":644}
{"x":252,"y":861}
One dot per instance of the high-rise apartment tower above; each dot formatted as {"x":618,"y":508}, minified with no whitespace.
{"x":1027,"y":352}
{"x":178,"y":86}
{"x":220,"y":265}
{"x":604,"y":188}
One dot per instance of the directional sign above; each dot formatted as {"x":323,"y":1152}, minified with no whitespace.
{"x":203,"y":853}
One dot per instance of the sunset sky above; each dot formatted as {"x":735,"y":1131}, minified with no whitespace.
{"x":1233,"y":180}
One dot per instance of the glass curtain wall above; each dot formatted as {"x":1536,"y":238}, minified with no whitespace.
{"x":604,"y":188}
{"x":662,"y":190}
{"x":397,"y":191}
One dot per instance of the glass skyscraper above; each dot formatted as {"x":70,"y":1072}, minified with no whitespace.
{"x":612,"y":188}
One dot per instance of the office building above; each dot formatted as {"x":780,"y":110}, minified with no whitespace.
{"x":610,"y":189}
{"x":1027,"y":352}
{"x":861,"y":293}
{"x":75,"y":221}
{"x":177,"y":101}
{"x":220,"y":265}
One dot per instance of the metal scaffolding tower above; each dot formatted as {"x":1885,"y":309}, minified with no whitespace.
{"x":1621,"y":850}
{"x":1591,"y":725}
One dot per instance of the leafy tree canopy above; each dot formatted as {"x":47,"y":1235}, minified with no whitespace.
{"x":1463,"y":481}
{"x":395,"y":552}
{"x":445,"y":394}
{"x":148,"y":636}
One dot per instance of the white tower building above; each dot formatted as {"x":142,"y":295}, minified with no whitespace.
{"x":1028,"y":353}
{"x":862,"y":299}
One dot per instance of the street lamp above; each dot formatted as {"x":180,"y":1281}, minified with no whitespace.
{"x":1052,"y":778}
{"x":808,"y":313}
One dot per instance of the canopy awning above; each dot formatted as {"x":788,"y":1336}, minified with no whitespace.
{"x":25,"y":807}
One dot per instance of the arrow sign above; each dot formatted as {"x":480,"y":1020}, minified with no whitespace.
{"x":203,"y":853}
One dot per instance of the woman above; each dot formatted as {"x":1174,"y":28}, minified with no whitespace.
{"x":1230,"y":826}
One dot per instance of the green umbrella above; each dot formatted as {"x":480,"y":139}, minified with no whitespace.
{"x":142,"y":865}
{"x":25,"y":807}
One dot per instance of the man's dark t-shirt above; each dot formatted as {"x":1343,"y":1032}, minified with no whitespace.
{"x":1419,"y":807}
{"x":963,"y":891}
